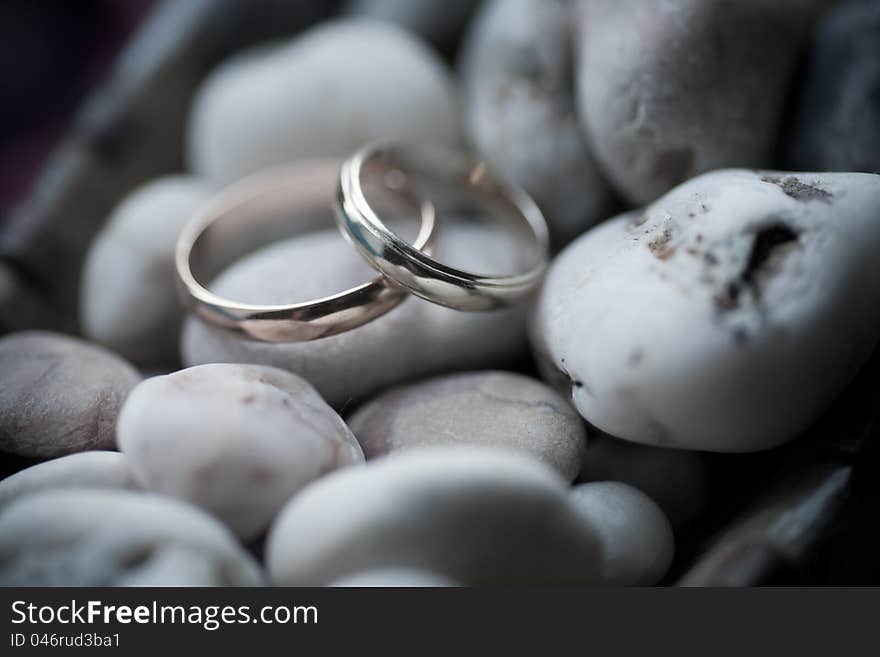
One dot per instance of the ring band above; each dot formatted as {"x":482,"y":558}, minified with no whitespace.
{"x":408,"y":265}
{"x":226,"y":225}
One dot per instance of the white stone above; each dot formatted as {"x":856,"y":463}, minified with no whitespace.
{"x":494,"y":409}
{"x":95,"y":469}
{"x":128,"y":294}
{"x":634,"y":534}
{"x":726,"y":317}
{"x":117,"y":538}
{"x":416,"y":339}
{"x":236,"y":440}
{"x":476,"y":515}
{"x":327,"y":92}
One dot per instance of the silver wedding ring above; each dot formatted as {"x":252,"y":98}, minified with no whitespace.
{"x":461,"y":178}
{"x":236,"y":221}
{"x":430,"y":183}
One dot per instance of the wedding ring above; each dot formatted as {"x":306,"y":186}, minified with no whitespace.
{"x":239,"y":220}
{"x":447,"y":179}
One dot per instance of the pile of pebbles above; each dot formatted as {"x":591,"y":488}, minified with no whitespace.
{"x":708,"y":170}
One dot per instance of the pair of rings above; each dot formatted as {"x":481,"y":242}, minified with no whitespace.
{"x":386,"y":176}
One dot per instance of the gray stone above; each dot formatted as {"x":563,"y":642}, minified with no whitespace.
{"x":95,"y":469}
{"x":416,"y":339}
{"x":521,"y":115}
{"x":128,"y":295}
{"x":696,"y":323}
{"x":327,"y":92}
{"x":836,"y":126}
{"x":59,"y":395}
{"x":668,"y":90}
{"x":495,"y":409}
{"x":236,"y":440}
{"x":636,"y":538}
{"x":117,"y":538}
{"x":678,"y":480}
{"x":476,"y":515}
{"x":439,"y":21}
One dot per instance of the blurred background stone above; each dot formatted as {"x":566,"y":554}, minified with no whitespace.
{"x":117,"y":538}
{"x":836,"y":125}
{"x":128,"y":298}
{"x":520,"y":110}
{"x":59,"y":395}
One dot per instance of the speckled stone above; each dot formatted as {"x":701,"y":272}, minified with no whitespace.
{"x":416,"y":339}
{"x":476,"y":515}
{"x":128,"y":295}
{"x":95,"y":469}
{"x":59,"y":395}
{"x":695,"y":323}
{"x":236,"y":440}
{"x":495,"y":409}
{"x":117,"y":538}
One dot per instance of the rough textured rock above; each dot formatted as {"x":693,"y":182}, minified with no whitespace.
{"x":236,"y":440}
{"x":97,"y":469}
{"x":678,"y":480}
{"x":668,"y":90}
{"x":59,"y":395}
{"x":329,"y":91}
{"x":394,"y":577}
{"x":837,"y":120}
{"x":416,"y":339}
{"x":495,"y":409}
{"x":636,"y":538}
{"x":521,"y":113}
{"x":476,"y":515}
{"x":128,"y":295}
{"x":696,"y":323}
{"x":117,"y":538}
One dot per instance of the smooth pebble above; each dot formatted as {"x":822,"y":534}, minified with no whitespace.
{"x":94,"y":469}
{"x":495,"y":409}
{"x":668,"y":90}
{"x":635,"y":536}
{"x":520,"y":110}
{"x":476,"y":515}
{"x":117,"y":538}
{"x":128,"y":295}
{"x":236,"y":440}
{"x":326,"y":93}
{"x":58,"y":394}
